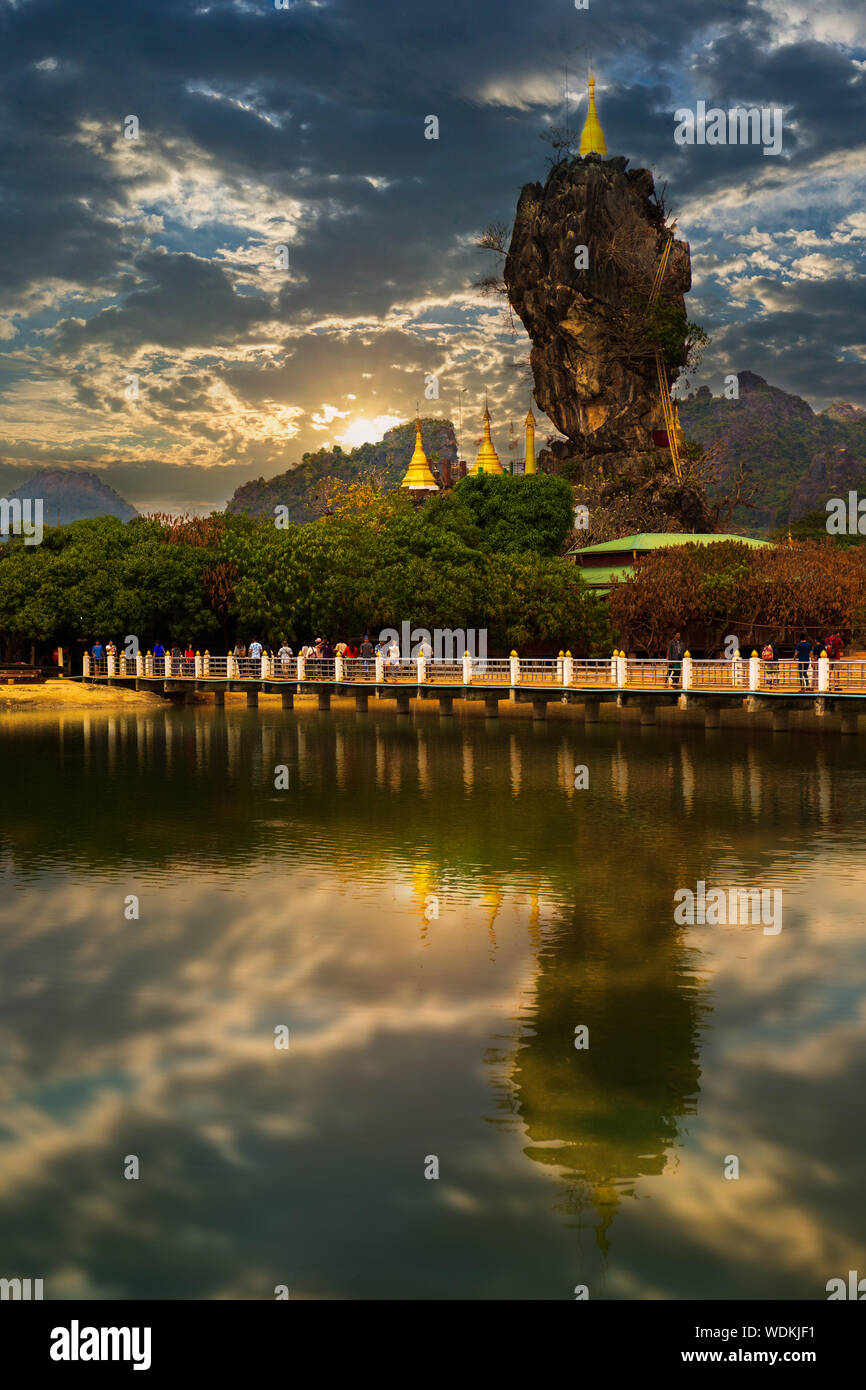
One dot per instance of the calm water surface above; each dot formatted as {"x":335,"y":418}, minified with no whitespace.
{"x":413,"y":1035}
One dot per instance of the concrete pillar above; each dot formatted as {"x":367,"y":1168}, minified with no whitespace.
{"x":302,"y":668}
{"x":148,"y":664}
{"x":849,"y":722}
{"x":205,"y":664}
{"x":421,"y":663}
{"x":198,"y":666}
{"x":539,"y":709}
{"x":754,"y":671}
{"x":687,"y":671}
{"x":219,"y":698}
{"x":139,"y":663}
{"x":380,"y":668}
{"x":403,"y":699}
{"x":339,"y":669}
{"x":446,"y":704}
{"x":86,"y":667}
{"x":361,"y":698}
{"x":515,"y":668}
{"x":823,"y":671}
{"x":567,"y":669}
{"x":467,"y":669}
{"x":324,"y":699}
{"x":491,"y":706}
{"x":252,"y":699}
{"x":288,"y":699}
{"x":621,"y":670}
{"x":647,"y":712}
{"x":712,"y":717}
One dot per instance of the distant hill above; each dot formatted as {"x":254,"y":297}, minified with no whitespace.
{"x":73,"y":494}
{"x":390,"y":456}
{"x":792,"y":454}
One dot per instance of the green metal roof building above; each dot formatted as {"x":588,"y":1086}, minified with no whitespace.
{"x":601,"y":564}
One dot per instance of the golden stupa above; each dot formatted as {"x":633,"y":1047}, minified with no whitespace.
{"x":529,"y":422}
{"x":592,"y":137}
{"x":418,"y":475}
{"x":488,"y":459}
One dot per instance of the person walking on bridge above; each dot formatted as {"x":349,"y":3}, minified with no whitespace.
{"x":255,"y":658}
{"x":676,"y":652}
{"x":803,"y":650}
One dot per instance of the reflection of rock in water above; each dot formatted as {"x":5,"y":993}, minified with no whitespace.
{"x":608,"y":1114}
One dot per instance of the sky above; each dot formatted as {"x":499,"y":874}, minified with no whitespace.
{"x":150,"y":330}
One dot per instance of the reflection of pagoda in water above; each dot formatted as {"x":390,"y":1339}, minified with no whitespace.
{"x":608,"y":1114}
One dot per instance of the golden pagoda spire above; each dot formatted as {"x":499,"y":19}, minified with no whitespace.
{"x":488,"y":459}
{"x":592,"y":137}
{"x":529,"y":465}
{"x":418,"y":475}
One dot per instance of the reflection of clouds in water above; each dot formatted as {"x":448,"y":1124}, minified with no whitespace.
{"x":167,"y":1048}
{"x":784,"y":1072}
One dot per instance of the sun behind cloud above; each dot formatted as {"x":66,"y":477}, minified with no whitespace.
{"x":367,"y":431}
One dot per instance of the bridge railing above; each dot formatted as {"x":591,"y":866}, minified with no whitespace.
{"x":643,"y":673}
{"x":720,"y":675}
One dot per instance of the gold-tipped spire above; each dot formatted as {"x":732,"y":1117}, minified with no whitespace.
{"x":488,"y":459}
{"x":592,"y":137}
{"x":418,"y":475}
{"x":529,"y":465}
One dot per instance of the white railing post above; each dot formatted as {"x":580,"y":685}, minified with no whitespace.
{"x":515,"y":668}
{"x":467,"y":669}
{"x":614,"y":669}
{"x":737,"y":669}
{"x":86,"y":666}
{"x":559,"y":660}
{"x":687,"y":671}
{"x":621,"y":670}
{"x":380,"y":668}
{"x":824,"y":672}
{"x":266,"y":666}
{"x":754,"y":671}
{"x":567,"y":669}
{"x":197,"y":666}
{"x":230,"y":665}
{"x":148,"y":664}
{"x":422,"y":669}
{"x":302,"y":668}
{"x":111,"y":664}
{"x":205,"y":663}
{"x":339,"y":670}
{"x":139,"y":663}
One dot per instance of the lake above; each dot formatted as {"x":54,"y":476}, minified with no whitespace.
{"x":431,"y":914}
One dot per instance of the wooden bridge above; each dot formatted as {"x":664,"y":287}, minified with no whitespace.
{"x":753,"y":684}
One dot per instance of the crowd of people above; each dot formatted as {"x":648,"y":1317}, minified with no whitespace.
{"x":807,"y":654}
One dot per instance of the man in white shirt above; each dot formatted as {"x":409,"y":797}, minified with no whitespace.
{"x":255,"y":658}
{"x":285,"y":654}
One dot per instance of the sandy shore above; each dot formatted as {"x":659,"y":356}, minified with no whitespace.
{"x":74,"y":695}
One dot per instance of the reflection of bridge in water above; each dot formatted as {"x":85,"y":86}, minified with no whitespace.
{"x":752,"y":684}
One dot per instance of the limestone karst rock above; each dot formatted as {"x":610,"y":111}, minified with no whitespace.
{"x":592,"y":356}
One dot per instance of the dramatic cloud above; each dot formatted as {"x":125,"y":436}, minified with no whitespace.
{"x":281,"y":237}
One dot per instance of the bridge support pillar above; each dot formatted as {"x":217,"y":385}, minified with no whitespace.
{"x":849,"y":722}
{"x":403,"y":699}
{"x":539,"y":709}
{"x":491,"y":706}
{"x":252,"y":699}
{"x":219,"y":698}
{"x":446,"y":704}
{"x":647,"y":713}
{"x":324,"y":699}
{"x":287,"y":698}
{"x":780,"y":721}
{"x":361,"y":698}
{"x":591,"y":711}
